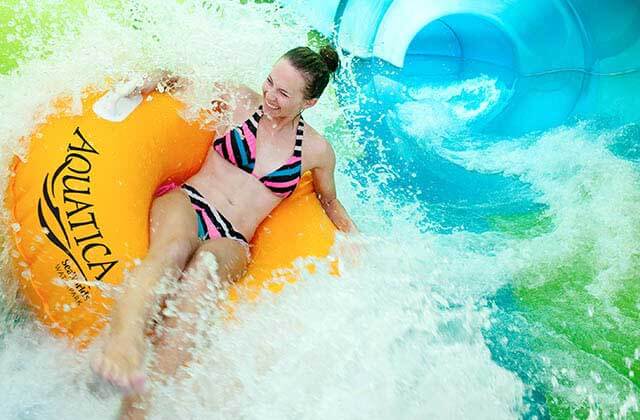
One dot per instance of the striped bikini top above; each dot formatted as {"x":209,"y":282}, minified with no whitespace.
{"x":238,"y":146}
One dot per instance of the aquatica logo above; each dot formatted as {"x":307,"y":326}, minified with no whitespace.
{"x":67,"y":216}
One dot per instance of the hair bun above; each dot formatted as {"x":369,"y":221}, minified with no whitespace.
{"x":330,"y":57}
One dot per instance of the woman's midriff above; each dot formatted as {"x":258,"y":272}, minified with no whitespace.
{"x":238,"y":195}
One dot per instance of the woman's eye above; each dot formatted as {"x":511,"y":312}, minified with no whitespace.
{"x":269,"y":81}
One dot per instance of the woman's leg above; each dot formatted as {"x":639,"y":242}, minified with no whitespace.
{"x":173,"y":238}
{"x":174,"y":344}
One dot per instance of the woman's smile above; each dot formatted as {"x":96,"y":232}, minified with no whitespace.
{"x":271,"y":105}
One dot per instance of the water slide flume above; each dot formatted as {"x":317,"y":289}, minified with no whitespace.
{"x":556,"y":59}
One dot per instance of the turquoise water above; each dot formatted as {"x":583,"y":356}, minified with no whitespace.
{"x":519,"y":299}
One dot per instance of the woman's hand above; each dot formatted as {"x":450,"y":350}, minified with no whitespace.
{"x":163,"y":81}
{"x":350,"y":248}
{"x":222,"y":99}
{"x":160,"y":80}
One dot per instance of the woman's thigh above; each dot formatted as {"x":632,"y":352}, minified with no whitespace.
{"x":173,"y":228}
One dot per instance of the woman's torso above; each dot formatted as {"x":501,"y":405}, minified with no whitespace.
{"x":239,"y":186}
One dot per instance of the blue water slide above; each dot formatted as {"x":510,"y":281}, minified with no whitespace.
{"x":555,"y":59}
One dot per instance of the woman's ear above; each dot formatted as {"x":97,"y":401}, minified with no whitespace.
{"x":310,"y":102}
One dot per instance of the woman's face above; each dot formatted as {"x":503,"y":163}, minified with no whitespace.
{"x":283,"y":91}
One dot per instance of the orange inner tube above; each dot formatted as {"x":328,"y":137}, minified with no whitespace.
{"x":79,"y":208}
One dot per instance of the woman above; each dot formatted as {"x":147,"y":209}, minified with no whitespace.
{"x":248,"y":171}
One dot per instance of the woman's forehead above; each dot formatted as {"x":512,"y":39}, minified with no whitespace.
{"x":287,"y":77}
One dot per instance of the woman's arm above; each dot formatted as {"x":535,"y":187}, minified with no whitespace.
{"x":325,"y":186}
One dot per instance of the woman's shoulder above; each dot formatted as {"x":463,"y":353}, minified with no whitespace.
{"x":316,"y":147}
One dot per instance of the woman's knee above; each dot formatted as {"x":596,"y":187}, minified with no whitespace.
{"x":224,"y":256}
{"x":174,"y":250}
{"x":204,"y":263}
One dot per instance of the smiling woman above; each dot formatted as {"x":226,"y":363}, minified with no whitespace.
{"x":251,"y":168}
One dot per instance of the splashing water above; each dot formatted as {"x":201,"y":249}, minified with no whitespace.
{"x":537,"y":316}
{"x":445,"y":109}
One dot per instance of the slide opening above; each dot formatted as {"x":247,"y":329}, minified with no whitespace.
{"x":458,"y":47}
{"x":462,"y":47}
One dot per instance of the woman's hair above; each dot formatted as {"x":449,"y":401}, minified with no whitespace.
{"x":316,"y":67}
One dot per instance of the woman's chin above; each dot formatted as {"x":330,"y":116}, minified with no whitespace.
{"x":270,"y":112}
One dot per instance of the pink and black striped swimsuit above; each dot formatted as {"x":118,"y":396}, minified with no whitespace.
{"x":238,"y":146}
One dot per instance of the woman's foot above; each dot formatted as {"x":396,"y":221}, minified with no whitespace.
{"x":134,"y":407}
{"x":120,"y":361}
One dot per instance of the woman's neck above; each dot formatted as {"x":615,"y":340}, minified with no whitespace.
{"x":278,"y":124}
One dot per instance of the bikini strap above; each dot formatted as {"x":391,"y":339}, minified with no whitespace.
{"x":255,"y":118}
{"x":297,"y":149}
{"x":252,"y":124}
